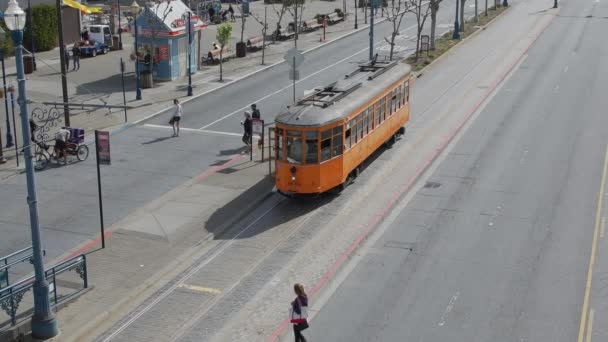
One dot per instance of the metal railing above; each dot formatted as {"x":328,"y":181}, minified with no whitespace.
{"x":11,"y":260}
{"x":63,"y":285}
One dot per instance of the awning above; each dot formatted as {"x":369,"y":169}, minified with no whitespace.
{"x":81,"y":7}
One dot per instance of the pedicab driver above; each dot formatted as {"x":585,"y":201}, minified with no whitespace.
{"x":61,"y":139}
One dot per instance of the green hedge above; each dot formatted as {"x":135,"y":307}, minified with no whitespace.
{"x":45,"y":27}
{"x":8,"y":41}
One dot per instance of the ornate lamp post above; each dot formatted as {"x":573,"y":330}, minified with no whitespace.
{"x":189,"y":53}
{"x":44,"y":324}
{"x":135,"y":9}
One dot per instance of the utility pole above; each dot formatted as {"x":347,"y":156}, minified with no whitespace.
{"x":31,"y":18}
{"x":119,"y":26}
{"x":189,"y":53}
{"x":295,"y":40}
{"x":356,"y":23}
{"x":64,"y":79}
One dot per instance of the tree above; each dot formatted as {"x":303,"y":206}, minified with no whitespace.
{"x":421,"y":9}
{"x":462,"y":2}
{"x":280,"y":12}
{"x":434,"y":9}
{"x":395,"y":17}
{"x":296,"y":9}
{"x":264,"y":30}
{"x":224,"y":33}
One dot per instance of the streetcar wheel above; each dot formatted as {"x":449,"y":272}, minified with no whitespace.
{"x":82,"y":153}
{"x":40,"y":161}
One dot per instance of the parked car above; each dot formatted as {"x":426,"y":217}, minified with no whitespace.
{"x":100,"y":41}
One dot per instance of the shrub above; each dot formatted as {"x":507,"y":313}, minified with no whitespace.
{"x":45,"y":28}
{"x":339,"y":12}
{"x":8,"y":41}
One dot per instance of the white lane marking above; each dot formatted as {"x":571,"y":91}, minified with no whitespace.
{"x":188,"y":275}
{"x":556,"y":88}
{"x":195,"y":130}
{"x":566,"y":69}
{"x":301,"y":80}
{"x":449,"y":308}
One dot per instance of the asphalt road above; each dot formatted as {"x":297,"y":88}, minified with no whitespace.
{"x":496,"y":246}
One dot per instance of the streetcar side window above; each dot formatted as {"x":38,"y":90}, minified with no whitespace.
{"x":387,"y":107}
{"x":326,"y":145}
{"x":312,"y":147}
{"x":399,"y":99}
{"x":364,"y":120}
{"x":337,"y":145}
{"x":294,"y":147}
{"x":393,"y":101}
{"x":407,"y":90}
{"x":370,"y":121}
{"x":403,"y":93}
{"x":379,"y":111}
{"x":347,"y":138}
{"x":360,"y":127}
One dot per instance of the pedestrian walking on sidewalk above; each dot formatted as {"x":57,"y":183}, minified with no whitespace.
{"x":231,"y":10}
{"x":177,"y":117}
{"x":66,"y":55}
{"x":298,"y":314}
{"x":247,"y":126}
{"x":76,"y":56}
{"x":255,"y":112}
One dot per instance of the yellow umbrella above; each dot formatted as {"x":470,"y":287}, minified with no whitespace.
{"x":83,"y":8}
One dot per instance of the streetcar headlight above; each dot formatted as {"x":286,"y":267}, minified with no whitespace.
{"x":293,"y":178}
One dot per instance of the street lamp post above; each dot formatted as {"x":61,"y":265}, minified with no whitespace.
{"x":44,"y":324}
{"x":135,"y":11}
{"x":554,"y":3}
{"x":189,"y":53}
{"x":9,"y":135}
{"x":456,"y":34}
{"x":119,"y":26}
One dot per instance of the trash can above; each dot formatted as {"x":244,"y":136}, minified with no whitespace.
{"x":28,"y":64}
{"x":146,"y":79}
{"x":115,"y":43}
{"x":241,"y":49}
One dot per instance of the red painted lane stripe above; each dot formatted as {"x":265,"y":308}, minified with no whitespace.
{"x":89,"y":244}
{"x":372,"y":225}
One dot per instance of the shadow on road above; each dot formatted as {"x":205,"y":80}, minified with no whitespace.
{"x":153,"y":141}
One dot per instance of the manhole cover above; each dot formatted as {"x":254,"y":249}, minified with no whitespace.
{"x":227,"y":170}
{"x":432,"y":185}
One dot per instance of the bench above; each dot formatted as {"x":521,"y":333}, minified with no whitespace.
{"x":215,"y":55}
{"x":311,"y":25}
{"x":256,"y":43}
{"x":334,"y":18}
{"x":284,"y":34}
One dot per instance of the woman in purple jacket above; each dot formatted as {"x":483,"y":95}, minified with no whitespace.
{"x":299,"y":312}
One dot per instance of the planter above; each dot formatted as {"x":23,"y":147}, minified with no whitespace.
{"x":146,"y":79}
{"x":241,"y":49}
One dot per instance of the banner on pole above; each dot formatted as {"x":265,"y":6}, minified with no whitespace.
{"x":103,"y":147}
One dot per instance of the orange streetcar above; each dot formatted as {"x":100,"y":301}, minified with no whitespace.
{"x":322,"y":140}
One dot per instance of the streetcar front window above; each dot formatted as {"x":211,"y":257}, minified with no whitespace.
{"x":294,"y":146}
{"x":279,"y":144}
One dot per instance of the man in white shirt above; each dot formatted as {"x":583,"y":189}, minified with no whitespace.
{"x":61,"y":139}
{"x":177,"y":116}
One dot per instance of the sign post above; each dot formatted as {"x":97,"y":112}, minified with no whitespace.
{"x":257,"y":128}
{"x":122,"y":77}
{"x":102,"y":156}
{"x":294,"y":58}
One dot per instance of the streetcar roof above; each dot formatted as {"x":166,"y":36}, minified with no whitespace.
{"x":341,"y":98}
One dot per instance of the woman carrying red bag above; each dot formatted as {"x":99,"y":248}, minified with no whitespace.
{"x":299,"y":312}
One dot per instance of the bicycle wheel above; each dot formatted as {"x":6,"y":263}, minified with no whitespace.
{"x":82,"y":153}
{"x":40,"y":161}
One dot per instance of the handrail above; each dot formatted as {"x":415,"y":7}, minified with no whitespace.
{"x":11,"y":296}
{"x":15,"y":253}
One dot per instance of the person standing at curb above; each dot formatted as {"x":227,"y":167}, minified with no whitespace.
{"x":177,"y":117}
{"x":299,"y":313}
{"x":255,"y":112}
{"x":247,"y":126}
{"x":76,"y":56}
